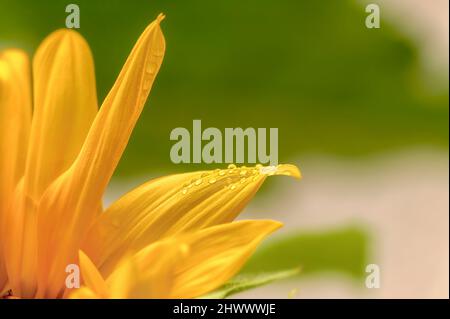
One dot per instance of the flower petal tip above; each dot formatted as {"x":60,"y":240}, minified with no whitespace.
{"x":277,"y":225}
{"x":160,"y":17}
{"x":282,"y":169}
{"x":269,"y":224}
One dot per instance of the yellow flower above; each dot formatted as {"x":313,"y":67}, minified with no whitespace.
{"x":171,"y":237}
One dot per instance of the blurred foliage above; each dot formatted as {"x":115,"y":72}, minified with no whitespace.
{"x":310,"y":68}
{"x":343,"y":250}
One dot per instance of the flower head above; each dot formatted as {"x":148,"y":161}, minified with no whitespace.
{"x":171,"y":237}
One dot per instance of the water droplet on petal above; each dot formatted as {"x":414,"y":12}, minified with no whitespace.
{"x":231,"y":166}
{"x":212,"y":181}
{"x":268,"y":170}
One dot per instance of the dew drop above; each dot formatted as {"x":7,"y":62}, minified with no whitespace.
{"x":212,"y":181}
{"x":198,"y":181}
{"x":231,"y":166}
{"x":268,"y":170}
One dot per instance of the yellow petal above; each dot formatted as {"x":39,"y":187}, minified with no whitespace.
{"x":69,"y":205}
{"x":149,"y":273}
{"x":92,"y":279}
{"x":65,"y":104}
{"x":189,"y":265}
{"x":171,"y":205}
{"x":83,"y":293}
{"x":15,"y":120}
{"x":217,"y":254}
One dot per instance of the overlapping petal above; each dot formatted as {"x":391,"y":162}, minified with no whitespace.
{"x":15,"y":121}
{"x":65,"y":104}
{"x":184,"y":266}
{"x":91,"y":277}
{"x":69,"y":205}
{"x":173,"y":237}
{"x":171,"y":205}
{"x":216,"y":254}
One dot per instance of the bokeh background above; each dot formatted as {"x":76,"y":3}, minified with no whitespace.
{"x":363,"y":112}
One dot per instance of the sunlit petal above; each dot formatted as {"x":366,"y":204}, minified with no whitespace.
{"x":15,"y":121}
{"x":69,"y":205}
{"x":65,"y":104}
{"x":216,"y":254}
{"x":91,"y":277}
{"x":150,"y":272}
{"x":173,"y":204}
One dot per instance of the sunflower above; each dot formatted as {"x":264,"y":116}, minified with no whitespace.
{"x":173,"y":237}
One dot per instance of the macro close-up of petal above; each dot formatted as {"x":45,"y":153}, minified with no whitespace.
{"x":173,"y":237}
{"x":223,"y":159}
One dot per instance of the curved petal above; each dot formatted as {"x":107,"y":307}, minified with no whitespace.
{"x":149,"y":273}
{"x":217,"y":254}
{"x":69,"y":205}
{"x":15,"y":120}
{"x":171,"y":205}
{"x":65,"y":105}
{"x":189,"y":265}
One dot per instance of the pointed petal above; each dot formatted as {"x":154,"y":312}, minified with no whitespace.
{"x":189,"y":265}
{"x":92,"y":279}
{"x":217,"y":254}
{"x":15,"y":120}
{"x":69,"y":205}
{"x":171,"y":205}
{"x":149,"y":273}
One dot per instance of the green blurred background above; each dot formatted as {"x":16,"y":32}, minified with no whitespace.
{"x":310,"y":68}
